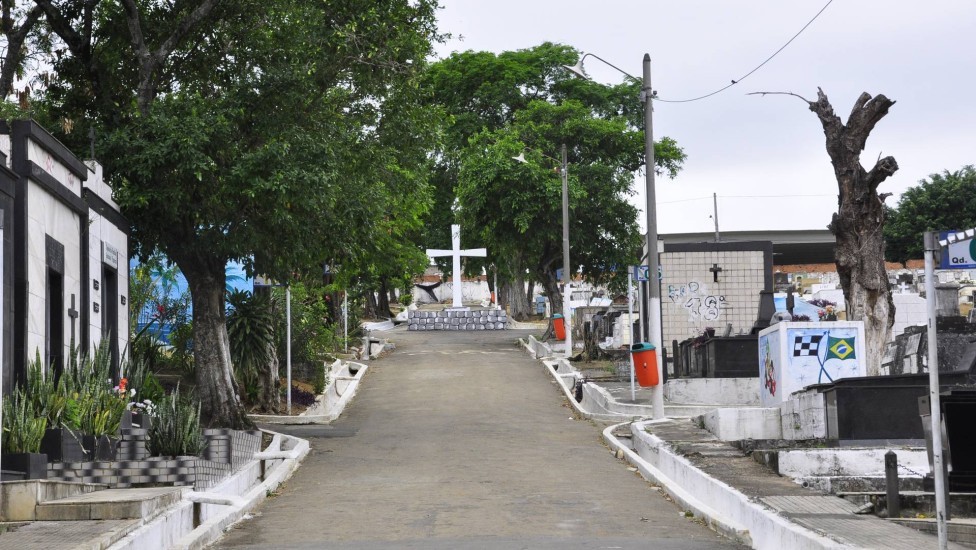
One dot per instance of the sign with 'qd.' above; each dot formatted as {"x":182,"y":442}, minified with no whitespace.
{"x":958,"y":255}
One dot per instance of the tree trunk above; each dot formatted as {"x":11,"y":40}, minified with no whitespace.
{"x":269,"y":382}
{"x":370,"y":307}
{"x":221,"y":405}
{"x":858,"y":222}
{"x":512,"y":297}
{"x":383,"y":301}
{"x":553,"y":289}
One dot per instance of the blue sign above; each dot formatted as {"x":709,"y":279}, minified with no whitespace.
{"x":958,"y":255}
{"x":641,"y":273}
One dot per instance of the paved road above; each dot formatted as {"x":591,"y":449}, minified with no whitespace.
{"x":460,"y":440}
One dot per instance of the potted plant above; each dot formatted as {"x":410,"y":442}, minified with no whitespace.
{"x":22,"y":434}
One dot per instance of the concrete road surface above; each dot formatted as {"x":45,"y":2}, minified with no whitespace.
{"x":461,"y":440}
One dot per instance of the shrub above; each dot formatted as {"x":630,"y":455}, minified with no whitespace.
{"x":302,"y":397}
{"x":175,"y":428}
{"x":251,"y":332}
{"x":22,"y":429}
{"x":318,"y":374}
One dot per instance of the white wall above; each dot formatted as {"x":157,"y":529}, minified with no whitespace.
{"x":101,"y":230}
{"x":691,"y":300}
{"x":47,"y":216}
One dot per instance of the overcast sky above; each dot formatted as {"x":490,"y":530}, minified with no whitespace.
{"x":763,"y":156}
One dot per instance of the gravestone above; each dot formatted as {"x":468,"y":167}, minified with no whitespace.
{"x":958,"y":411}
{"x":874,"y":410}
{"x":731,"y":357}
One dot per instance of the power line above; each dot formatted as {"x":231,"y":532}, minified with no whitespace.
{"x":747,"y":197}
{"x":743,"y":77}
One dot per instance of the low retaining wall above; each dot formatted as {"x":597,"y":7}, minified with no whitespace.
{"x":344,"y":378}
{"x":343,"y":384}
{"x":736,"y":424}
{"x":449,"y":319}
{"x":713,"y":391}
{"x":224,"y":451}
{"x":245,"y":489}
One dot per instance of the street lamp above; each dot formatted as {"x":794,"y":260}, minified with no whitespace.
{"x":567,"y":281}
{"x":650,"y":211}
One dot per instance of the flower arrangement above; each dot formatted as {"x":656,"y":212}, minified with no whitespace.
{"x":827,"y":310}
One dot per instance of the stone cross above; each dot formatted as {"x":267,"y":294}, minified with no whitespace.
{"x":456,"y":252}
{"x":73,"y":313}
{"x":715,"y":269}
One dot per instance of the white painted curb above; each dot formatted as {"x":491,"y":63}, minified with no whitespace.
{"x":728,"y":510}
{"x":221,"y":506}
{"x":330,"y":403}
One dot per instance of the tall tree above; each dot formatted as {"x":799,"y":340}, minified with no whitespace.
{"x":858,"y":223}
{"x":502,"y":104}
{"x":260,"y":131}
{"x":942,"y":202}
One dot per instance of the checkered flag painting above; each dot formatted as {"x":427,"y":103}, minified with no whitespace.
{"x":806,"y":346}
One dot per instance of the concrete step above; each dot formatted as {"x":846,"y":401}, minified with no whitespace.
{"x":143,"y":503}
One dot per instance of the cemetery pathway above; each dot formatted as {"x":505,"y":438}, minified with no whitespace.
{"x":461,"y":440}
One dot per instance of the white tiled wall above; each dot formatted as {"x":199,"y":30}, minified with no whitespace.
{"x":691,"y":300}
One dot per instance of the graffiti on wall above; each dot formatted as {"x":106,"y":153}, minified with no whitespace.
{"x":697,"y":301}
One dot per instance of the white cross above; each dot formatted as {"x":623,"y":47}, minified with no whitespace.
{"x":903,"y":287}
{"x":456,"y":254}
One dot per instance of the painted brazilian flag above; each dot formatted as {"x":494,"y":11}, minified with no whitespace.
{"x":840,"y":348}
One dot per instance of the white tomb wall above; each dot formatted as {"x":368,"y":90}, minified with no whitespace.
{"x":48,"y":216}
{"x":101,"y":230}
{"x":691,"y":299}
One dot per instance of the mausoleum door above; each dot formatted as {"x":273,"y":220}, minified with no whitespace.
{"x":110,"y":315}
{"x":54,"y":324}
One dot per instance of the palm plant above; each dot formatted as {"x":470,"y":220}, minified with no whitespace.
{"x":251,"y":331}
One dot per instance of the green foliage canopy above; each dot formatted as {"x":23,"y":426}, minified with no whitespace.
{"x":942,"y":202}
{"x":526,"y":102}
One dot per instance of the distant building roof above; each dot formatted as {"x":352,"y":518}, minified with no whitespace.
{"x":812,"y":246}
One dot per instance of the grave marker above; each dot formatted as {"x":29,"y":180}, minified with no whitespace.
{"x":456,"y":253}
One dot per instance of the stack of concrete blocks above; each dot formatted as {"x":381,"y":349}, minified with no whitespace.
{"x":457,"y":319}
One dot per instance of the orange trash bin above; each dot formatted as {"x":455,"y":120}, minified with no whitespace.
{"x":645,"y":364}
{"x":559,"y":326}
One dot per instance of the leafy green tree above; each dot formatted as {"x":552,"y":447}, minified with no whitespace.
{"x":941,"y":202}
{"x":526,"y":102}
{"x":271,"y":132}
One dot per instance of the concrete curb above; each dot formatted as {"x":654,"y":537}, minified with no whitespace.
{"x":740,"y":517}
{"x":330,"y":403}
{"x":221,"y":506}
{"x":686,"y":500}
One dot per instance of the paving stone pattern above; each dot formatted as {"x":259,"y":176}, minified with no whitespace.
{"x":457,"y":320}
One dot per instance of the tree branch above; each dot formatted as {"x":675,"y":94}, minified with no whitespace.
{"x":779,"y":93}
{"x":13,"y":57}
{"x":882,"y":170}
{"x":865,"y":115}
{"x":151,"y":62}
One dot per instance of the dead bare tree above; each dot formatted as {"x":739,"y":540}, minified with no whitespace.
{"x":860,"y":217}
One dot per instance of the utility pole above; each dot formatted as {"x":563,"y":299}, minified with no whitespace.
{"x":715,"y":215}
{"x":567,"y":276}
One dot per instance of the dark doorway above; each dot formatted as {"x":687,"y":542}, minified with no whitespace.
{"x":54,"y":324}
{"x":110,"y":315}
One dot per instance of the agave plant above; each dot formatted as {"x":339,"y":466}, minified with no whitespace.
{"x":175,"y":429}
{"x":22,"y":430}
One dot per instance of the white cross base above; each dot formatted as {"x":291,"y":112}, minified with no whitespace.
{"x":456,"y":253}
